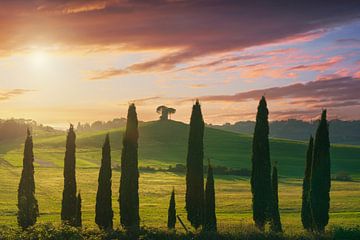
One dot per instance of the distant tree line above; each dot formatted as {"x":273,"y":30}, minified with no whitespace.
{"x":101,"y":125}
{"x":15,"y":128}
{"x":347,"y":132}
{"x":200,"y":195}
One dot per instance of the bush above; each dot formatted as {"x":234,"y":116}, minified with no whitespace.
{"x":343,"y":176}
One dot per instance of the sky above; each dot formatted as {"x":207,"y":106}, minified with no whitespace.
{"x":75,"y":61}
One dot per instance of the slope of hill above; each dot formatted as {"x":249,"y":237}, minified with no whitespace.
{"x":164,"y":143}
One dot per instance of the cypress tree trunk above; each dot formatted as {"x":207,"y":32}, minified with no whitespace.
{"x":68,"y":208}
{"x":172,"y":211}
{"x":28,"y":209}
{"x":78,"y":219}
{"x":261,"y":168}
{"x":320,"y":176}
{"x":194,"y":173}
{"x":275,"y":221}
{"x":129,"y":181}
{"x":103,"y":209}
{"x":209,"y":208}
{"x":306,"y":217}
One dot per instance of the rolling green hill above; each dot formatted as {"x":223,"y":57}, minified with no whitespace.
{"x":164,"y":143}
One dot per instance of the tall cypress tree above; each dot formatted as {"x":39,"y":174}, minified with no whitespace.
{"x":320,"y":176}
{"x":68,"y":208}
{"x":306,"y":217}
{"x":28,"y":209}
{"x":172,"y":211}
{"x":194,"y":173}
{"x":209,"y":208}
{"x":78,"y":218}
{"x":103,"y":209}
{"x":129,"y":181}
{"x":275,"y":220}
{"x":261,"y":168}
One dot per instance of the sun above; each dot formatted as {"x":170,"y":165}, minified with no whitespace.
{"x":38,"y":58}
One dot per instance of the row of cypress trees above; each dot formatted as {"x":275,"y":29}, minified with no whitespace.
{"x":317,"y":180}
{"x":200,"y":202}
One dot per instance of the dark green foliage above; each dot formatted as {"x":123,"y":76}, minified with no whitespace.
{"x":78,"y":218}
{"x":209,"y":207}
{"x":65,"y":232}
{"x":194,"y":163}
{"x":28,"y":209}
{"x":306,"y":217}
{"x":261,"y":168}
{"x":68,"y":207}
{"x":275,"y":224}
{"x":103,"y":209}
{"x":129,"y":181}
{"x":172,"y":211}
{"x":320,"y":176}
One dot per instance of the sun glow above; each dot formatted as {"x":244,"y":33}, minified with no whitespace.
{"x":38,"y":58}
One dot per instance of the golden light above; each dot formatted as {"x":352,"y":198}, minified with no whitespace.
{"x":38,"y":58}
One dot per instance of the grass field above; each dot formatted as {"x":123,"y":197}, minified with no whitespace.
{"x":162,"y":144}
{"x":165,"y":143}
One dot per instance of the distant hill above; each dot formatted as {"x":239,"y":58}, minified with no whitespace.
{"x":345,"y":132}
{"x":15,"y":128}
{"x":164,"y":143}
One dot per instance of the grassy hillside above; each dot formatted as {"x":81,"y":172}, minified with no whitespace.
{"x":164,"y":143}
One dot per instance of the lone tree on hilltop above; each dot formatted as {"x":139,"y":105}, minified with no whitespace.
{"x":261,"y":169}
{"x":194,"y":198}
{"x":306,"y":217}
{"x":165,"y":112}
{"x":129,"y":181}
{"x":320,"y":176}
{"x":28,"y":209}
{"x":68,"y":207}
{"x":103,"y":209}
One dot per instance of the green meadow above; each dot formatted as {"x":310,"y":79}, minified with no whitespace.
{"x":163,"y":144}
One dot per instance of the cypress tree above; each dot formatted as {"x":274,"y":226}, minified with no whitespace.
{"x":28,"y":209}
{"x":209,"y":208}
{"x":194,"y":172}
{"x":78,"y":219}
{"x":129,"y":181}
{"x":261,"y":168}
{"x":275,"y":221}
{"x":68,"y":208}
{"x":306,"y":217}
{"x":172,"y":211}
{"x":320,"y":176}
{"x":103,"y":209}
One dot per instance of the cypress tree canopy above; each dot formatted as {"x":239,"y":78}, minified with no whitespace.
{"x":194,"y":174}
{"x":28,"y":209}
{"x":209,"y":208}
{"x":306,"y":217}
{"x":261,"y":168}
{"x":320,"y":176}
{"x":78,"y":218}
{"x":129,"y":181}
{"x":68,"y":208}
{"x":103,"y":209}
{"x":172,"y":211}
{"x":275,"y":221}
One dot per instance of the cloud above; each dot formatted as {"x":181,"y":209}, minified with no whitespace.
{"x":321,"y":66}
{"x":8,"y":94}
{"x":186,"y":29}
{"x":337,"y":92}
